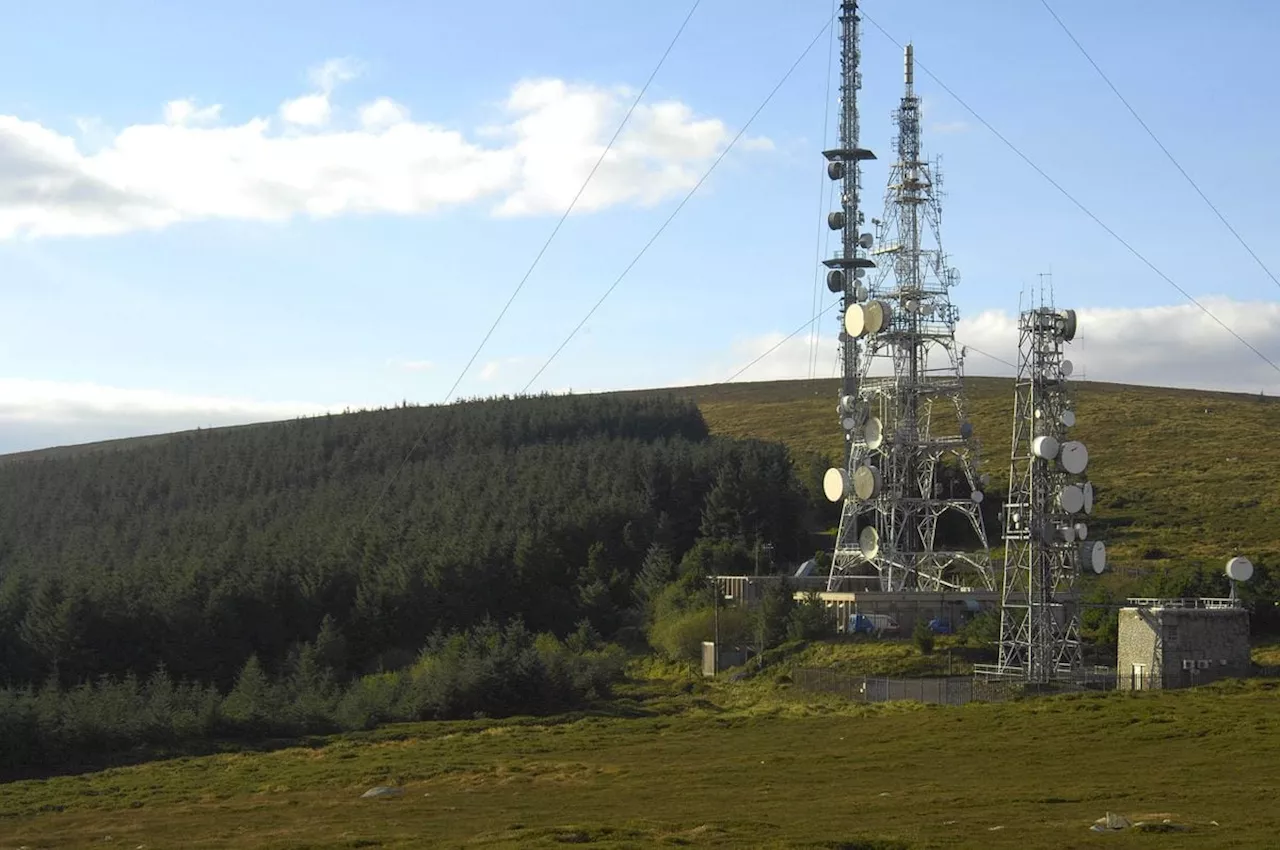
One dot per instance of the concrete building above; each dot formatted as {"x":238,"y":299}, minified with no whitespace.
{"x":1178,"y":643}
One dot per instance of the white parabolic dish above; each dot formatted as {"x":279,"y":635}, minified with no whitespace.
{"x":869,"y":542}
{"x":1068,"y":418}
{"x":976,"y":496}
{"x":1045,"y":447}
{"x":873,"y":433}
{"x":866,"y":482}
{"x":835,"y":484}
{"x":1067,"y":368}
{"x":855,"y":322}
{"x":1082,"y":531}
{"x":1088,"y":497}
{"x":1239,"y":569}
{"x":1075,"y":457}
{"x":877,"y":316}
{"x":1071,"y":499}
{"x":849,"y":423}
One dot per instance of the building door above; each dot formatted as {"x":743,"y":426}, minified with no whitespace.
{"x":1138,"y":679}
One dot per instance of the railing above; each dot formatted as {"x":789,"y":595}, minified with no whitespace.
{"x":1184,"y":602}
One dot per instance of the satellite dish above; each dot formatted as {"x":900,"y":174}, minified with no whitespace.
{"x":1068,"y":324}
{"x":966,"y":429}
{"x":977,"y":497}
{"x":1075,"y":457}
{"x":866,"y":483}
{"x":1088,"y":497}
{"x":869,"y":542}
{"x":860,"y":292}
{"x":873,"y":432}
{"x":1067,"y":418}
{"x":835,"y":170}
{"x":849,"y":423}
{"x":1067,"y":533}
{"x":1239,"y":569}
{"x":855,"y":321}
{"x":865,"y":240}
{"x":876,"y":316}
{"x":912,"y":305}
{"x":1082,"y":531}
{"x":835,"y":484}
{"x":1071,"y":499}
{"x":835,"y":280}
{"x":1039,"y":413}
{"x":1067,"y":368}
{"x":859,"y":272}
{"x":847,"y":402}
{"x":1045,"y":447}
{"x":1097,"y":556}
{"x":835,"y":220}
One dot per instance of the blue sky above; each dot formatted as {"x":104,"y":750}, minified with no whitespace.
{"x":353,"y":246}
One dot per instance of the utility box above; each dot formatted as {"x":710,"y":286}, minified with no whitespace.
{"x":1179,"y":643}
{"x":729,"y":657}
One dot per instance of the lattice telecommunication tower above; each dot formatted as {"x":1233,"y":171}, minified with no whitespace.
{"x":1046,"y":538}
{"x":910,"y":454}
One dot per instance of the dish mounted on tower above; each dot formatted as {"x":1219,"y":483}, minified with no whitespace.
{"x":1046,"y":534}
{"x":910,"y":455}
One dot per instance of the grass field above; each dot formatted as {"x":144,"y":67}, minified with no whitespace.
{"x":676,"y":762}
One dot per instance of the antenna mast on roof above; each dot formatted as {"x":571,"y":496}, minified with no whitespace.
{"x":907,"y":461}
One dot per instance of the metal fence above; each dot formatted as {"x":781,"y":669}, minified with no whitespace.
{"x":946,"y":690}
{"x":959,"y":690}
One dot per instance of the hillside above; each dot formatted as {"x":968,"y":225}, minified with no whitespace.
{"x":1184,"y":477}
{"x":198,"y":550}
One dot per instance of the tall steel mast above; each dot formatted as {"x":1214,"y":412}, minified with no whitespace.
{"x":905,"y":467}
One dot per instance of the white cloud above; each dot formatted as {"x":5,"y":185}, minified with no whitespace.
{"x":383,"y":113}
{"x":1174,"y":346}
{"x":328,"y":75}
{"x":193,"y":166}
{"x":185,"y":112}
{"x":310,"y":110}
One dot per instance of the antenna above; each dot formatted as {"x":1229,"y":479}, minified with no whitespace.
{"x":898,"y":315}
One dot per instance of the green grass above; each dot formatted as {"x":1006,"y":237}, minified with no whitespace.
{"x":710,"y":765}
{"x":1183,"y":476}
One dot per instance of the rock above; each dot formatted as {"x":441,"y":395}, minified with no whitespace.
{"x":382,"y":791}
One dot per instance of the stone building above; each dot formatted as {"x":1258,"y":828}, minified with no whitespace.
{"x":1178,"y":643}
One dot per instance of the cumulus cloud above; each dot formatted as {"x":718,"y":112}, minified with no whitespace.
{"x":304,"y":161}
{"x":44,"y":413}
{"x":1173,"y":346}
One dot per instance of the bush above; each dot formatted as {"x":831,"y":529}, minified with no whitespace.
{"x":922,"y":637}
{"x":983,"y":630}
{"x":679,"y":636}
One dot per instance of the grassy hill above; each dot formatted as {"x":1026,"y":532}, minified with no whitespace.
{"x":686,"y":763}
{"x":1183,"y":476}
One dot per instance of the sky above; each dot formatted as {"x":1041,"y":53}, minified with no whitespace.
{"x":236,"y":212}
